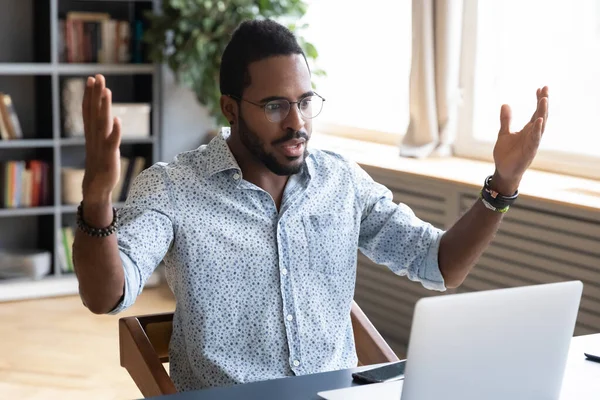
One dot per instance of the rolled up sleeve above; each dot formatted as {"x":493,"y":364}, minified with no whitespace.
{"x":146,"y":231}
{"x":392,"y":235}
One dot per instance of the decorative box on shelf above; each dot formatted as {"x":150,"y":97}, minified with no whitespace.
{"x":135,"y":119}
{"x":34,"y":264}
{"x":72,"y":180}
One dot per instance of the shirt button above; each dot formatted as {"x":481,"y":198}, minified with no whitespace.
{"x":284,"y":271}
{"x":296,"y":363}
{"x":236,"y":176}
{"x":289,"y":317}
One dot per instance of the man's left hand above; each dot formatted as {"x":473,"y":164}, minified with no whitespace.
{"x":514,"y":151}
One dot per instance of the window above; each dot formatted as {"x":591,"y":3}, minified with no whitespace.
{"x":365,"y":50}
{"x":519,"y":46}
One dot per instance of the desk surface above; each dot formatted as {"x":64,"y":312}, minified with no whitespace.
{"x":581,"y":381}
{"x":582,"y":377}
{"x":303,"y":387}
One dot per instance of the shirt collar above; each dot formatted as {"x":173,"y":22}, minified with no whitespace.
{"x":218,"y":155}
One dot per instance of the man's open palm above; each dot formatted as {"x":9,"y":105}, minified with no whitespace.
{"x":102,"y":140}
{"x":514,"y":151}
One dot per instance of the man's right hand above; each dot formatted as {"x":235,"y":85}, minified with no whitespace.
{"x":102,"y":154}
{"x":97,"y":260}
{"x":102,"y":141}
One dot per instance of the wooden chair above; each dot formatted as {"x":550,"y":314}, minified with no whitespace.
{"x":144,"y":347}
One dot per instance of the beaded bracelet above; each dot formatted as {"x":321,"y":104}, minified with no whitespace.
{"x":96,"y":232}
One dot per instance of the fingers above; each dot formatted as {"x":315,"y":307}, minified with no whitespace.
{"x":95,"y":101}
{"x":545,"y":93}
{"x":115,"y":136}
{"x":541,"y":93}
{"x":505,"y":116}
{"x":85,"y":106}
{"x":105,"y":114}
{"x":543,"y":112}
{"x":536,"y":113}
{"x":536,"y":132}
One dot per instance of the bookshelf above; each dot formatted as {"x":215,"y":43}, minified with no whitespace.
{"x":34,"y":69}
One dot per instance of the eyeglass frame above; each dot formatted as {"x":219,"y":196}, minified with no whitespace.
{"x":289,"y":102}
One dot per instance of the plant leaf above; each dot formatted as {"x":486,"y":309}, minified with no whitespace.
{"x":191,"y":35}
{"x":311,"y":50}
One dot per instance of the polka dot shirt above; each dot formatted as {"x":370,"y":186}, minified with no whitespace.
{"x":261,"y":293}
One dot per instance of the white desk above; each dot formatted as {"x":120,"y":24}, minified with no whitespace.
{"x":581,"y":380}
{"x":582,"y":377}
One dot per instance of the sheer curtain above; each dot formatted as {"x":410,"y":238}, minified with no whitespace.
{"x":434,"y":78}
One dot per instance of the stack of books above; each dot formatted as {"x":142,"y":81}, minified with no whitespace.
{"x":24,"y":183}
{"x":88,"y":37}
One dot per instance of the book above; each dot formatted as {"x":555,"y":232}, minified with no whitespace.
{"x":116,"y":195}
{"x":87,"y":16}
{"x":64,"y":248}
{"x":92,"y":37}
{"x":135,"y":167}
{"x":123,"y":42}
{"x":10,"y":117}
{"x":62,"y":46}
{"x":4,"y":134}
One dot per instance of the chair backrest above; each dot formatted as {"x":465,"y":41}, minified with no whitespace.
{"x":144,"y":346}
{"x":371,"y":348}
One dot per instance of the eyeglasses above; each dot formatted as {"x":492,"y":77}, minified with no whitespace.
{"x":277,"y":110}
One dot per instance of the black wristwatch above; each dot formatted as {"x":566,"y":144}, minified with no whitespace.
{"x":494,"y":200}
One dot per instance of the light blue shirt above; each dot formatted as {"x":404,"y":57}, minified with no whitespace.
{"x":261,"y":293}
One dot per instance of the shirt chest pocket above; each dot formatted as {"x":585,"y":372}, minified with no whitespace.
{"x":332,"y":242}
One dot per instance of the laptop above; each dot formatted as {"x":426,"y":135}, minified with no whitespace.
{"x":494,"y":345}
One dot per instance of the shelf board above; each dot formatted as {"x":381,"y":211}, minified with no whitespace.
{"x":25,"y":143}
{"x":80,"y":141}
{"x":50,"y":286}
{"x":115,"y":1}
{"x":20,"y":289}
{"x":72,"y":208}
{"x":26,"y":68}
{"x":91,"y":68}
{"x":74,"y":69}
{"x":25,"y":211}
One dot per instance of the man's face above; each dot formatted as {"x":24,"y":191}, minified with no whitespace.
{"x":280,"y":146}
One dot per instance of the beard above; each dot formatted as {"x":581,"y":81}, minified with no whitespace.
{"x":257,"y":148}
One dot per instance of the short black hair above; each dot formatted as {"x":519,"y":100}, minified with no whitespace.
{"x":252,"y":41}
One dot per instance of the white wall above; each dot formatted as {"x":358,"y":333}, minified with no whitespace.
{"x":185,"y":122}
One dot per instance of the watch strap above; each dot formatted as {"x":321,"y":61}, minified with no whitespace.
{"x":496,"y":199}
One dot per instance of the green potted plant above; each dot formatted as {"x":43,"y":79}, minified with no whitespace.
{"x":190,"y":37}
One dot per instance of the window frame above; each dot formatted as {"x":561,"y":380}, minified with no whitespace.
{"x":352,"y":132}
{"x":465,"y":144}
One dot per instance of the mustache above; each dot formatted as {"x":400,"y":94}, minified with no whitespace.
{"x":291,"y":134}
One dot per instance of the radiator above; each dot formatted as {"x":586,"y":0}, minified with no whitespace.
{"x":537,"y":243}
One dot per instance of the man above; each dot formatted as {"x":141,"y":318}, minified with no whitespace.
{"x":259,"y":235}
